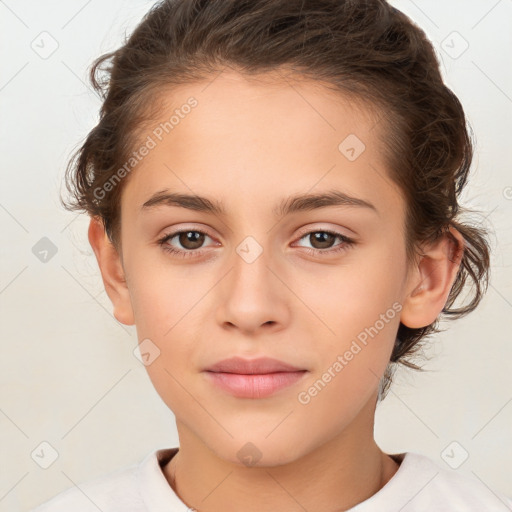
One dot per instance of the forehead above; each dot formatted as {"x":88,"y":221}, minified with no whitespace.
{"x":248,"y":137}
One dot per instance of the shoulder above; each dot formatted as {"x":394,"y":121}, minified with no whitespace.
{"x":115,"y":491}
{"x":427,"y":485}
{"x":136,"y":488}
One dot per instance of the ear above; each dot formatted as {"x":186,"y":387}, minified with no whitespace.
{"x":431,"y":280}
{"x":112,"y":272}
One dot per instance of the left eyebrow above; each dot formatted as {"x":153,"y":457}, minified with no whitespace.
{"x":306,"y":202}
{"x":292,"y":204}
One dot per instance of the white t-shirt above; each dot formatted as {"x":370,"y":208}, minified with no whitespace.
{"x":419,"y":485}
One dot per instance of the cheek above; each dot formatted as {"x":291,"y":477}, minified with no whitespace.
{"x":165,"y":314}
{"x":355,"y":314}
{"x":164,"y":296}
{"x":346,"y":298}
{"x":163,"y":306}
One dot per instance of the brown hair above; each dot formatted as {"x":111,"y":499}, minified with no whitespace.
{"x":363,"y":48}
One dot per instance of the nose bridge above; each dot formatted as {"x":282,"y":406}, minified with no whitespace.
{"x":252,"y":254}
{"x":250,"y":261}
{"x":252,"y":294}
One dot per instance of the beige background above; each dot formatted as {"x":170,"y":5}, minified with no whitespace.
{"x":67,"y":371}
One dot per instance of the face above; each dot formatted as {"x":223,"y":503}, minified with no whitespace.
{"x":317,"y":285}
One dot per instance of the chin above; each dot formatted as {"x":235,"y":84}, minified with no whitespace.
{"x":259,"y":452}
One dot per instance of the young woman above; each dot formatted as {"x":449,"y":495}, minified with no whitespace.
{"x":273,"y":190}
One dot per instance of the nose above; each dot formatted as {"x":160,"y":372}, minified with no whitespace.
{"x":252,"y":296}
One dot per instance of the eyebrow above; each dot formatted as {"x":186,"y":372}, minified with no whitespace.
{"x":292,"y":204}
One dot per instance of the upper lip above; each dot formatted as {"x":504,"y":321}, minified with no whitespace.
{"x":261,"y":365}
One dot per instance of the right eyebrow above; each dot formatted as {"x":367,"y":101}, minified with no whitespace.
{"x":192,"y":202}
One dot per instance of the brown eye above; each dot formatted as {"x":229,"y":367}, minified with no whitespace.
{"x":323,"y":242}
{"x":191,"y":239}
{"x":190,"y":242}
{"x":321,"y":239}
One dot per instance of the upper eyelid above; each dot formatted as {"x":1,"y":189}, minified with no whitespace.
{"x":308,"y":231}
{"x":173,"y":233}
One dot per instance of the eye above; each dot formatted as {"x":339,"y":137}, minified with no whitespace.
{"x":322,"y":242}
{"x":190,"y":239}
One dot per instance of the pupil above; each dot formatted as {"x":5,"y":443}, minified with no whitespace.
{"x":325,"y":239}
{"x":191,"y":239}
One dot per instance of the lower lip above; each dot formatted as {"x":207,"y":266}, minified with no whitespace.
{"x":254,"y":386}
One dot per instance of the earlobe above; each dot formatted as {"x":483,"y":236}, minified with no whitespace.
{"x":112,"y":272}
{"x":432,"y":279}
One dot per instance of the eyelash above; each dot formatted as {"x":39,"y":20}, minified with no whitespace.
{"x":346,"y":243}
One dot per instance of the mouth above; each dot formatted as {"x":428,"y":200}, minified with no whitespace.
{"x":257,"y":378}
{"x":261,"y":365}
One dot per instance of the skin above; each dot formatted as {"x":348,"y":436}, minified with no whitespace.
{"x":304,"y":309}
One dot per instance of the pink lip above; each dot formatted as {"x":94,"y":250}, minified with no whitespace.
{"x":254,"y":385}
{"x":252,"y":366}
{"x":256,"y":378}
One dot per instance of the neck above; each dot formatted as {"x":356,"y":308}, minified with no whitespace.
{"x":335,"y":476}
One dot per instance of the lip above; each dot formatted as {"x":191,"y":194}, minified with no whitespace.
{"x":261,"y":365}
{"x":253,"y":378}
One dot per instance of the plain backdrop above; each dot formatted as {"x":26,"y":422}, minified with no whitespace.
{"x":70,"y":383}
